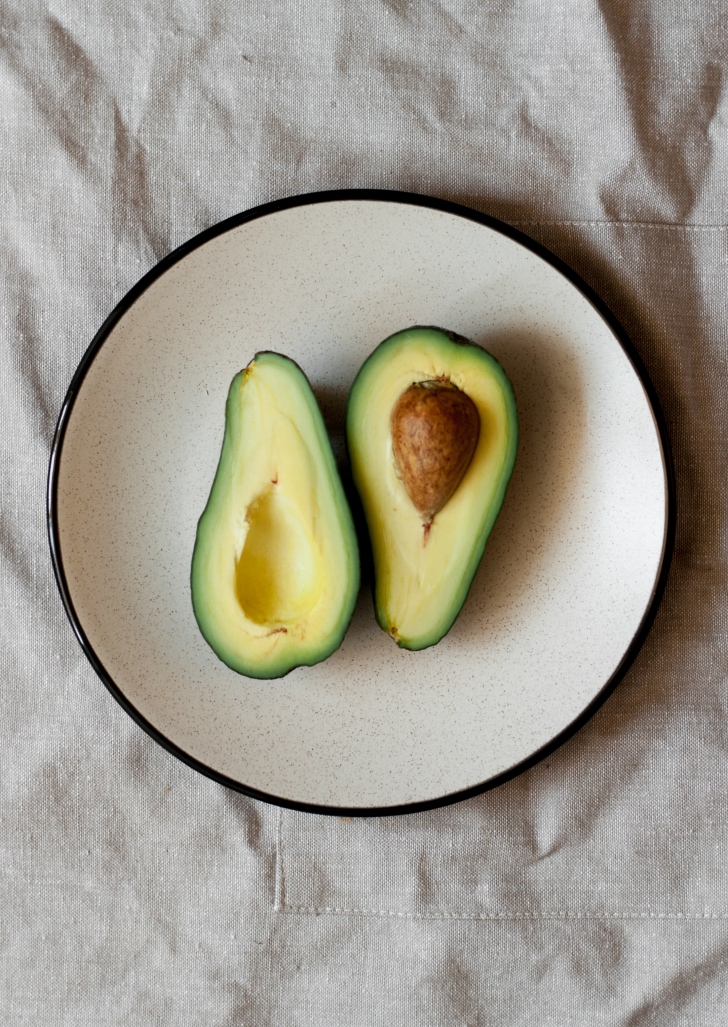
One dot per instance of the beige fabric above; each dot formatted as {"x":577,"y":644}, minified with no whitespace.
{"x":591,"y":890}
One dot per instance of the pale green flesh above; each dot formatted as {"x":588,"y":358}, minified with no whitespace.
{"x":422,"y":579}
{"x":275,"y":569}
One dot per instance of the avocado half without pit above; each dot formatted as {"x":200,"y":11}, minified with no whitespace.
{"x":432,"y":433}
{"x":275,"y":568}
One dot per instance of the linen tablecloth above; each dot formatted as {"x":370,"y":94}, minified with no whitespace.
{"x":590,"y":890}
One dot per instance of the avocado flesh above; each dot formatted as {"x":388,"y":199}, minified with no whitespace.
{"x":422,"y":573}
{"x":275,"y":568}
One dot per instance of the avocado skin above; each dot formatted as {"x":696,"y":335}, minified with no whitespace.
{"x":450,"y":595}
{"x":229,"y":650}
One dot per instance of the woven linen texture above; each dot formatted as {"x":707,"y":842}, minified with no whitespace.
{"x":593,"y":888}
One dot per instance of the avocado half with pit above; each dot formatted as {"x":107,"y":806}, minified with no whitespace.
{"x":275,"y":568}
{"x":432,"y":433}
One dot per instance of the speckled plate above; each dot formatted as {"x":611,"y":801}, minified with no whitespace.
{"x":571,"y":575}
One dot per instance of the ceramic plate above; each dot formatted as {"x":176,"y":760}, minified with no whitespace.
{"x":571,"y":575}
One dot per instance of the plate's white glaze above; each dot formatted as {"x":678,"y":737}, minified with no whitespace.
{"x":567,"y":575}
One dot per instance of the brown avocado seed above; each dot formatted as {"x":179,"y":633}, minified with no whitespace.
{"x":435,"y":429}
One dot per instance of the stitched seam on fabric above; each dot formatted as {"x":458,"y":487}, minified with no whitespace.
{"x":447,"y":915}
{"x":626,"y":224}
{"x":282,"y":906}
{"x":279,"y":900}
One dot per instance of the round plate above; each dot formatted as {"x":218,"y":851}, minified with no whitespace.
{"x":571,"y":575}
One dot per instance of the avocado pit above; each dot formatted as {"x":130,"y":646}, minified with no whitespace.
{"x":435,"y":429}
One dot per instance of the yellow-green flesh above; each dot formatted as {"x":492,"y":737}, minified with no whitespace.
{"x":422,"y":577}
{"x":275,"y":569}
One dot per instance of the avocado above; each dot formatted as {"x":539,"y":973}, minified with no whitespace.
{"x":275,"y":567}
{"x":432,"y":433}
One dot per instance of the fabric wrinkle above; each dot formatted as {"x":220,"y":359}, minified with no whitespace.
{"x":591,"y":889}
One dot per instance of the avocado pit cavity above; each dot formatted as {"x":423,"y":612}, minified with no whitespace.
{"x":279,"y":573}
{"x":435,"y":430}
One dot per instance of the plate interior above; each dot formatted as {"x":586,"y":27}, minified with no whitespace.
{"x":568,"y":572}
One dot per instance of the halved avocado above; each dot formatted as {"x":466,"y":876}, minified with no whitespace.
{"x":424,"y":564}
{"x":275,"y":568}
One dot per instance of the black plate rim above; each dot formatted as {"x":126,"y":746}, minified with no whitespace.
{"x":389,"y":196}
